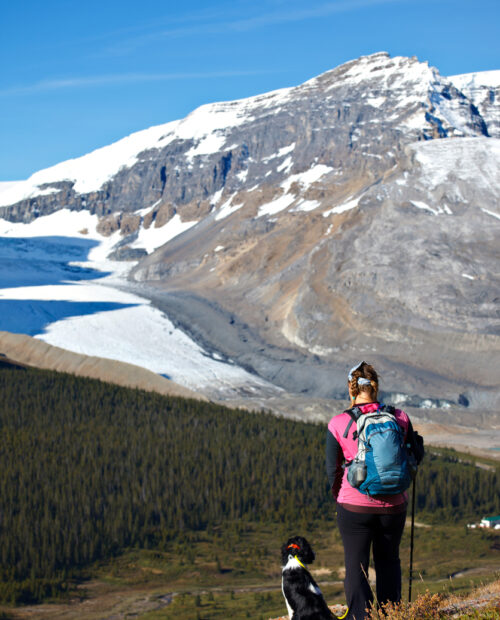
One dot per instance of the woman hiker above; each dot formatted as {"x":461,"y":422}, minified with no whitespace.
{"x":365,"y":520}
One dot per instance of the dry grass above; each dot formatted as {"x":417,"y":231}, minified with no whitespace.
{"x":481,"y":604}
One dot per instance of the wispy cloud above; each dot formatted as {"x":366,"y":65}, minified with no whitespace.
{"x":285,"y":13}
{"x":121,"y":78}
{"x":311,"y":12}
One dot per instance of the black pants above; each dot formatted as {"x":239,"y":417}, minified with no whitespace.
{"x":359,"y":531}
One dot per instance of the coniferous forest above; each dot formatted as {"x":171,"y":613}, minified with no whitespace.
{"x":90,"y":469}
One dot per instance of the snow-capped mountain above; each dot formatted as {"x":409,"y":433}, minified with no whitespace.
{"x":356,"y":215}
{"x":235,"y":145}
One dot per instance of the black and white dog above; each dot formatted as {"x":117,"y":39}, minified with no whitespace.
{"x":303,"y":598}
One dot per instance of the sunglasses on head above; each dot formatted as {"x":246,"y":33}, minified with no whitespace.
{"x":354,"y":368}
{"x":361,"y":380}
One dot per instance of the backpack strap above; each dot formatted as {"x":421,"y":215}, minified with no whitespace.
{"x":392,"y":411}
{"x":354,"y":414}
{"x":389,"y":408}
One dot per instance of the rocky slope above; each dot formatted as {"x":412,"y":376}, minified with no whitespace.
{"x":354,"y":216}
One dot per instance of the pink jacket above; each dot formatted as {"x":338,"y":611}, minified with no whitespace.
{"x":348,"y":494}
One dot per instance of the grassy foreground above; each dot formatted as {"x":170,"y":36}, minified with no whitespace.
{"x":235,"y":573}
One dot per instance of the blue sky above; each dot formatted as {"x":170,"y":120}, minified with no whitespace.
{"x":76,"y":75}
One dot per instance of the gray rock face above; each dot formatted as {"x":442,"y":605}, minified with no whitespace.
{"x":127,"y":253}
{"x":356,"y":215}
{"x":356,"y":117}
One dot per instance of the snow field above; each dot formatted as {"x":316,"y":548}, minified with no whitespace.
{"x":471,"y":159}
{"x":70,"y":302}
{"x":488,"y":79}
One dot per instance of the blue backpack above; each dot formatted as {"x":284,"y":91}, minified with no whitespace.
{"x":383,"y":464}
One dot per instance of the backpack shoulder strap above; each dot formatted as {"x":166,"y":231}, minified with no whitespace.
{"x":354,"y":414}
{"x":388,"y":408}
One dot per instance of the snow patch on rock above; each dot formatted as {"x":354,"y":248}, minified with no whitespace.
{"x":227,"y":208}
{"x":152,"y":238}
{"x":275,"y":206}
{"x":345,"y":206}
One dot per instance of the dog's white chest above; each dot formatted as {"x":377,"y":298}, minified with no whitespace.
{"x":292,"y":563}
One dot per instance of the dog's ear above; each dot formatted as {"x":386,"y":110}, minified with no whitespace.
{"x":306,"y":553}
{"x":285,"y":552}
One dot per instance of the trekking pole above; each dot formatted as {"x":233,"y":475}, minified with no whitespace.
{"x":411,"y":538}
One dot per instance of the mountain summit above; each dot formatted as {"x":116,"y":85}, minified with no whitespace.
{"x":353,"y":216}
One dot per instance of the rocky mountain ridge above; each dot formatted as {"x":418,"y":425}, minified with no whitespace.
{"x":356,"y":215}
{"x":235,"y":145}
